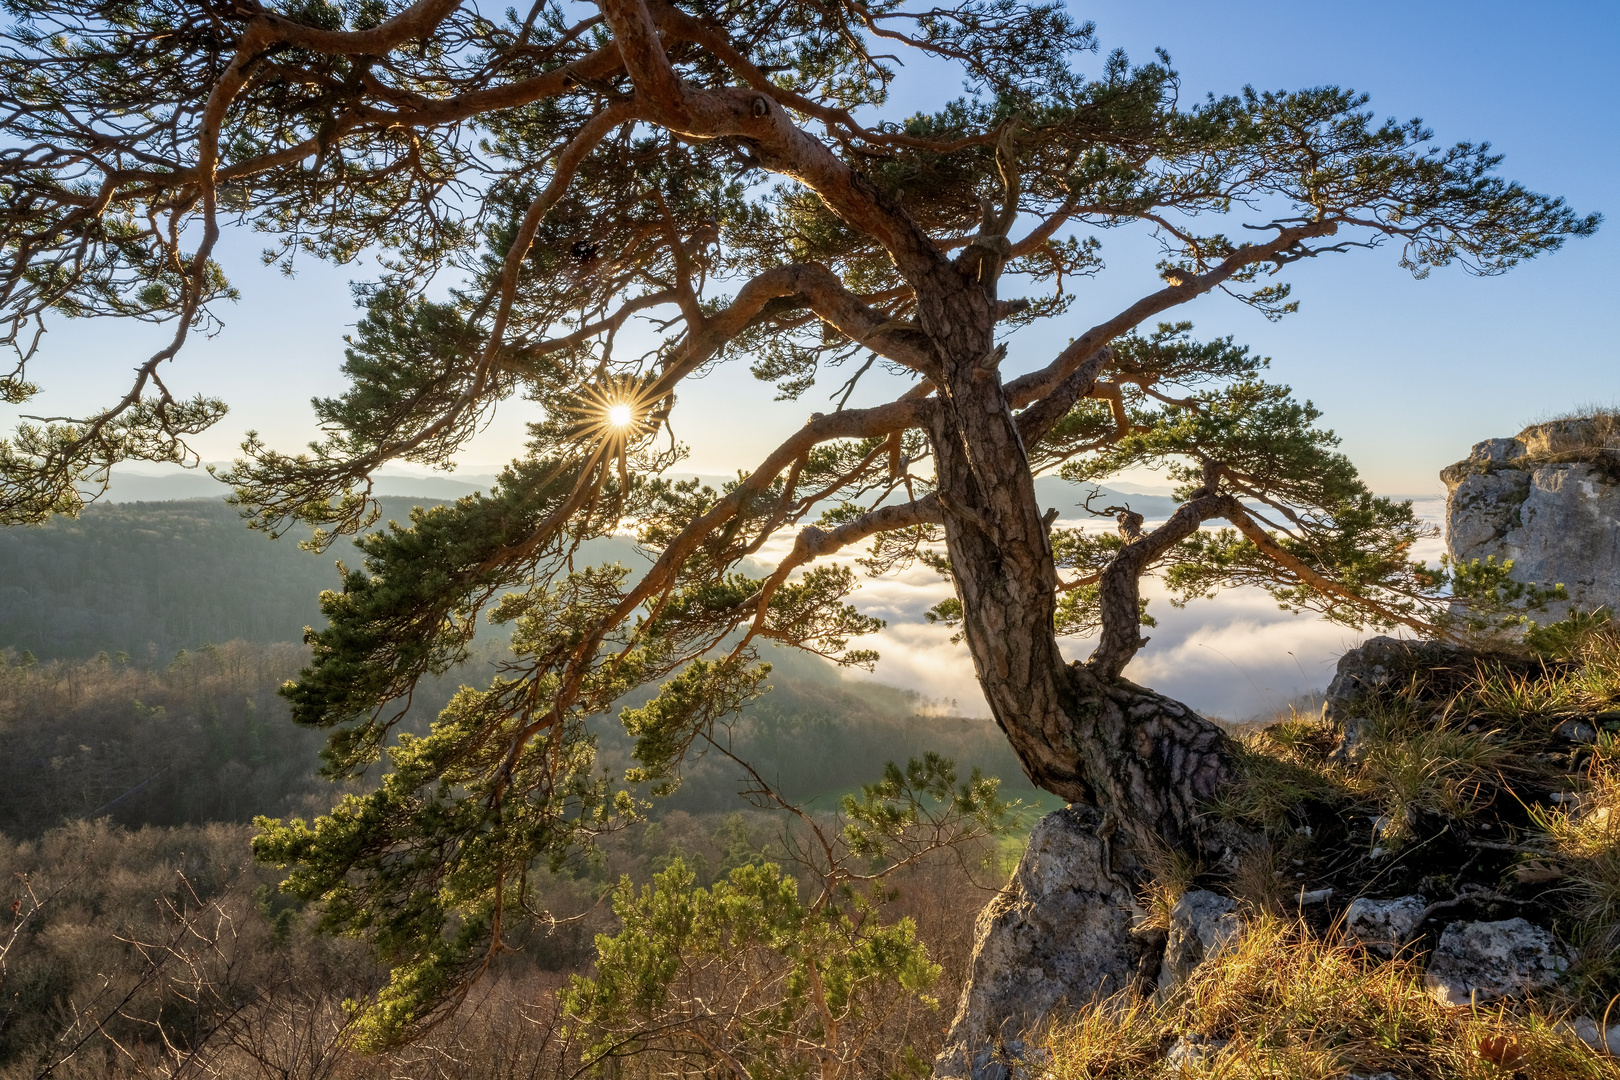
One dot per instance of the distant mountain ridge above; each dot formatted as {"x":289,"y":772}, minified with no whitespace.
{"x":128,"y":487}
{"x":165,"y":564}
{"x":150,"y":578}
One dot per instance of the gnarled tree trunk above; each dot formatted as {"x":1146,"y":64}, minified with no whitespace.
{"x":1080,"y":730}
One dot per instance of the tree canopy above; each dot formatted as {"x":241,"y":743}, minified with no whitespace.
{"x":727,"y":176}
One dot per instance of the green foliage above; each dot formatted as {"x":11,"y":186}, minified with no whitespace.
{"x":130,"y":576}
{"x":749,"y":976}
{"x":1411,"y":767}
{"x":1567,"y":638}
{"x":202,"y":741}
{"x":1489,"y":601}
{"x":164,"y":950}
{"x":684,"y":708}
{"x":425,"y":864}
{"x":1315,"y":538}
{"x":743,"y":973}
{"x":923,"y":801}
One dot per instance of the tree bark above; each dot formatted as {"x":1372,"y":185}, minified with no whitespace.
{"x":1080,"y":730}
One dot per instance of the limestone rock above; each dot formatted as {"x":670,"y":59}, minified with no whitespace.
{"x":1482,"y":961}
{"x":1576,"y":731}
{"x":1008,"y":1061}
{"x":1586,"y":1029}
{"x":1374,"y":664}
{"x":1550,"y":501}
{"x":1353,"y":742}
{"x":1201,"y":924}
{"x":1192,"y":1050}
{"x":1058,"y":938}
{"x":1383,"y":925}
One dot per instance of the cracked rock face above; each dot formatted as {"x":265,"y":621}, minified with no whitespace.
{"x":1058,"y":938}
{"x":1383,"y":925}
{"x":1559,"y":522}
{"x":1202,"y":924}
{"x":1483,"y":961}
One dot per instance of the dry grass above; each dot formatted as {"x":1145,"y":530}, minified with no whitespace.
{"x":1169,"y":875}
{"x":1412,"y":759}
{"x":1280,"y":768}
{"x":1584,"y":837}
{"x":1466,"y":753}
{"x":1296,"y":1006}
{"x":1593,"y":436}
{"x":1436,"y":766}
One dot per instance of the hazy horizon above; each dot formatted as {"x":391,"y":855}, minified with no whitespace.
{"x":1235,"y":657}
{"x":1410,"y":373}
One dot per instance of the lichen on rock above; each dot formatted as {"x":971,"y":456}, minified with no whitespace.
{"x":1476,"y":962}
{"x":1202,"y":923}
{"x":1383,"y":925}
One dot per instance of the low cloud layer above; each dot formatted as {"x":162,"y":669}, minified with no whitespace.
{"x":1236,"y":656}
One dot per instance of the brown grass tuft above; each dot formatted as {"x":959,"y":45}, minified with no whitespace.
{"x":1296,"y":1006}
{"x":1593,"y":438}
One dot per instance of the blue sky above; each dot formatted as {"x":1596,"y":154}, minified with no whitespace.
{"x":1410,"y":373}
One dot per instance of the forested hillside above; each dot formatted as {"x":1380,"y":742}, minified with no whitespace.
{"x":149,"y":579}
{"x":205,"y":737}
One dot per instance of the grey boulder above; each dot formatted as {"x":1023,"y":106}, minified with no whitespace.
{"x":1057,"y":938}
{"x":1483,"y":961}
{"x":1353,"y":743}
{"x":1192,"y":1050}
{"x":1557,"y":520}
{"x":1586,"y":1029}
{"x":1375,"y":664}
{"x":1201,"y":924}
{"x":1576,"y":731}
{"x":1383,"y":925}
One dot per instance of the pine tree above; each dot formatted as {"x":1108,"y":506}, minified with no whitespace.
{"x":731,"y":172}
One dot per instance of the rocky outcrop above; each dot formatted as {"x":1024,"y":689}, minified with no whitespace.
{"x":1057,"y":938}
{"x":1549,"y":500}
{"x":1382,"y":663}
{"x":1066,"y":934}
{"x":1068,"y":931}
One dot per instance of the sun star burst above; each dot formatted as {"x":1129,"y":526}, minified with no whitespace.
{"x":612,"y":414}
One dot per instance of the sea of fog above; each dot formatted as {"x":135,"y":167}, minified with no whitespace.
{"x":1235,"y":657}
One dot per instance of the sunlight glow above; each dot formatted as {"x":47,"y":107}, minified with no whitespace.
{"x":612,"y":415}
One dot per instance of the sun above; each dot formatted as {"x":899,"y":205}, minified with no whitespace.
{"x":611,"y":414}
